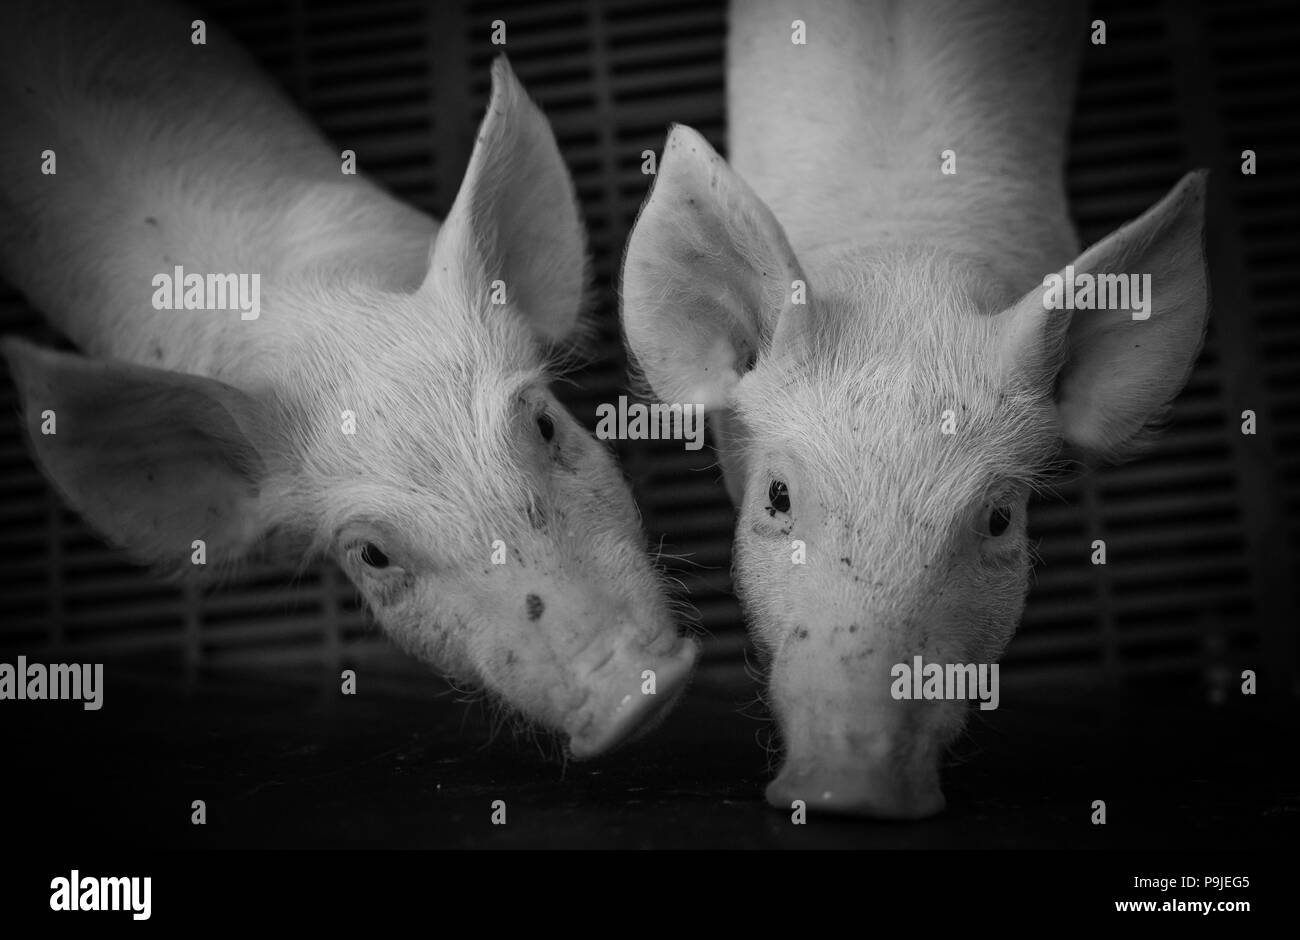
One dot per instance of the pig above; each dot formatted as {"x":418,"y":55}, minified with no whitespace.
{"x":379,"y":397}
{"x":862,"y":301}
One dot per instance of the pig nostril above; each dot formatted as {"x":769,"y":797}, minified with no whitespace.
{"x":626,"y":709}
{"x":535,"y":606}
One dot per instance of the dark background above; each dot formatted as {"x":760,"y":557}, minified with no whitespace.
{"x":1123,"y":683}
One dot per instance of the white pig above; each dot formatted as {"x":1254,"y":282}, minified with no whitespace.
{"x":867,"y":275}
{"x":377,"y":406}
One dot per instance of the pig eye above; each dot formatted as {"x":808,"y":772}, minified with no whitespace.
{"x":778,"y":496}
{"x":546,"y":426}
{"x":373,"y":557}
{"x":999,"y":520}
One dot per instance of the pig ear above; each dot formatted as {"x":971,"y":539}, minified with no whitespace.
{"x":515,"y":218}
{"x":707,"y":275}
{"x":1116,"y":370}
{"x":153,"y":459}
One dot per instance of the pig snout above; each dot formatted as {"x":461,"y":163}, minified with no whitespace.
{"x":573,"y":658}
{"x":618,"y":707}
{"x":850,"y":747}
{"x":882,"y":775}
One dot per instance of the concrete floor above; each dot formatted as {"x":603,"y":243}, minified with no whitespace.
{"x":284,"y":764}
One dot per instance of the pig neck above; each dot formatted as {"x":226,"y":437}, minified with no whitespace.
{"x":162,"y":163}
{"x":843,"y":137}
{"x":312,"y":245}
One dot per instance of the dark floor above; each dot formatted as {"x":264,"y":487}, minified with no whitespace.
{"x":290,"y":765}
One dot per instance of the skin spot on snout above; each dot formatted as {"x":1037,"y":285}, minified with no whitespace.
{"x":535,"y":607}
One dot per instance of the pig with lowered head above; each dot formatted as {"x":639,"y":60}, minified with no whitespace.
{"x":886,"y":375}
{"x":384,"y":407}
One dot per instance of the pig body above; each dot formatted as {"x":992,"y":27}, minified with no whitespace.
{"x":859,"y":301}
{"x":385,"y":404}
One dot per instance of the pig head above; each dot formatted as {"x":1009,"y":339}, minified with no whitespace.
{"x":882,"y":414}
{"x":400,"y":422}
